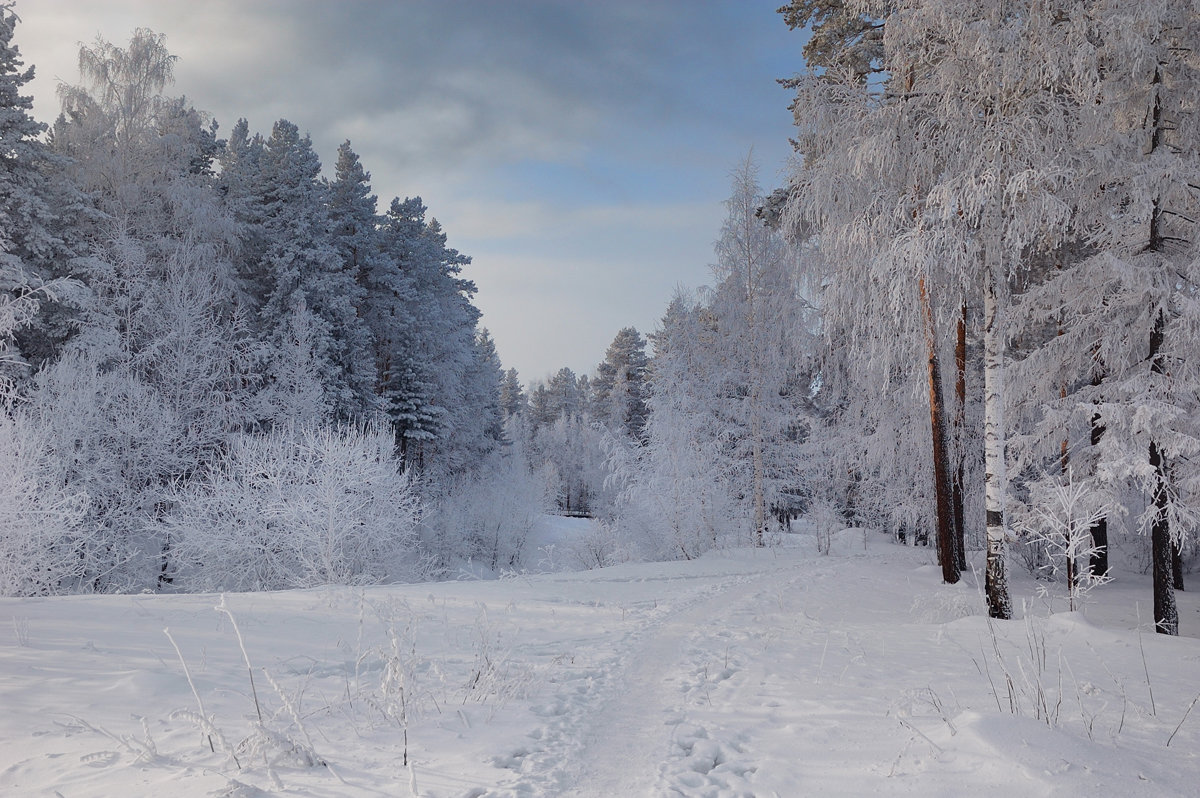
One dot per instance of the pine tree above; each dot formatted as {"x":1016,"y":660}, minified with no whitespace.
{"x":618,"y":390}
{"x":301,"y":267}
{"x":407,"y":344}
{"x":513,"y":402}
{"x":28,"y":243}
{"x":355,"y":229}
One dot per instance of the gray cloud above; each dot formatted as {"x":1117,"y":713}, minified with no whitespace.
{"x":562,"y":115}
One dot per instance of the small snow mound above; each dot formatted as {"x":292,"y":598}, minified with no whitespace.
{"x":948,"y":603}
{"x":236,"y":789}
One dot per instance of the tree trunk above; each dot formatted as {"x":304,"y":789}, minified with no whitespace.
{"x":941,"y":470}
{"x":1098,"y":566}
{"x":760,"y":502}
{"x":1166,"y":614}
{"x":1099,"y":562}
{"x":996,"y":580}
{"x":960,"y":393}
{"x":756,"y":378}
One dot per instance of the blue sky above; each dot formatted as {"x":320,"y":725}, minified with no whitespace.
{"x":579,"y":152}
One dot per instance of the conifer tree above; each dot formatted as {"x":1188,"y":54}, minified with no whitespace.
{"x":302,"y":268}
{"x":513,"y":401}
{"x":618,"y":390}
{"x":355,"y":227}
{"x":29,"y":245}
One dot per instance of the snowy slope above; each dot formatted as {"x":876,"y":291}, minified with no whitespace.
{"x":773,"y":672}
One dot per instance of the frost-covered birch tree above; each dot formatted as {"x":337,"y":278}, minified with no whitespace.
{"x":757,"y":312}
{"x":681,"y":496}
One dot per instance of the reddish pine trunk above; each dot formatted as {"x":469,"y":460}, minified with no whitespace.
{"x":941,"y":471}
{"x":960,"y":392}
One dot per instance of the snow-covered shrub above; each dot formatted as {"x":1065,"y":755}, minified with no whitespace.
{"x":604,"y":544}
{"x":298,"y":507}
{"x":675,"y":500}
{"x":825,"y":519}
{"x":947,"y":603}
{"x":43,"y":529}
{"x":488,"y":515}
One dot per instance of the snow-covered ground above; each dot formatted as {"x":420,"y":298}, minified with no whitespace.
{"x":769,"y":672}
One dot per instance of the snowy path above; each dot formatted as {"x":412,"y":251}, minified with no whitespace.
{"x":724,"y":678}
{"x":616,"y":725}
{"x":642,"y":732}
{"x":746,"y":674}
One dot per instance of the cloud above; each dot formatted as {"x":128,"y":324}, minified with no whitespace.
{"x":446,"y":89}
{"x":578,"y":151}
{"x":479,"y":219}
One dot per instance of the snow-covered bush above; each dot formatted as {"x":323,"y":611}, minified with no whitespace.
{"x":604,"y":544}
{"x":488,"y":515}
{"x":42,"y":523}
{"x":298,"y":507}
{"x":825,"y":520}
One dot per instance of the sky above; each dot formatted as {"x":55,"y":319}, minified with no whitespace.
{"x":579,"y":152}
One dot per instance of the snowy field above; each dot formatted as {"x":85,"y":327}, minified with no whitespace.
{"x":770,"y":672}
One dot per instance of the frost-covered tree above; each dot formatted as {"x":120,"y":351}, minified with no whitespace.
{"x":567,"y":444}
{"x":967,"y":75}
{"x":1121,"y":309}
{"x":224,"y":290}
{"x":295,"y":395}
{"x":29,"y":241}
{"x":678,"y":490}
{"x":1025,"y":157}
{"x":618,"y":389}
{"x":426,"y":380}
{"x":477,"y":421}
{"x":155,"y":369}
{"x":301,"y":266}
{"x":355,"y":227}
{"x":760,"y":330}
{"x":513,"y":401}
{"x":961,"y":219}
{"x":844,"y":36}
{"x":852,"y":199}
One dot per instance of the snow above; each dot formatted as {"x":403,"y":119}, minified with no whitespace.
{"x":748,"y":672}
